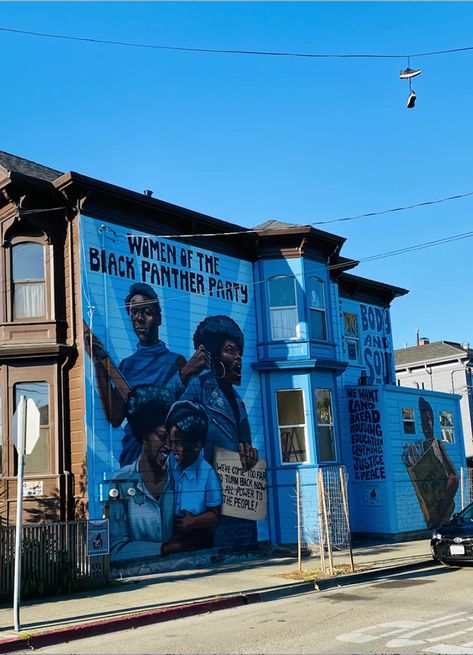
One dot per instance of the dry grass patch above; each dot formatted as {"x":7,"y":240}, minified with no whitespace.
{"x":320,"y":574}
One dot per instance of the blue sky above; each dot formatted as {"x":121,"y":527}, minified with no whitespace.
{"x":248,"y":138}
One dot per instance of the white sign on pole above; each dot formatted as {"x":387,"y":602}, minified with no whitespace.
{"x":32,"y":426}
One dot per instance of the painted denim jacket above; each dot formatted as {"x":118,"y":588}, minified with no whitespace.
{"x":223,"y":428}
{"x":139,"y":524}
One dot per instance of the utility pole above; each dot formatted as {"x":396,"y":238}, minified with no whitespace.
{"x":20,"y":447}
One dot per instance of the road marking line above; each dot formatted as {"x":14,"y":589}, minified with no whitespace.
{"x":449,"y":636}
{"x":404,"y":641}
{"x":449,"y":649}
{"x":362,"y":636}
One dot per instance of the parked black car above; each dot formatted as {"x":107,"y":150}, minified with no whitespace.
{"x":452,"y":543}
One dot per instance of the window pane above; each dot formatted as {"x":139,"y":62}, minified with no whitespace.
{"x":316,"y":298}
{"x":28,"y":261}
{"x":28,"y":280}
{"x":408,"y":413}
{"x":28,"y":300}
{"x":290,"y":407}
{"x":352,"y":350}
{"x":38,"y":460}
{"x":293,"y":444}
{"x":283,"y":323}
{"x":446,"y":423}
{"x":446,"y":419}
{"x":325,"y":434}
{"x":447,"y":435}
{"x":326,"y":444}
{"x":317,"y":324}
{"x":282,"y":292}
{"x":351,"y":324}
{"x":324,"y":406}
{"x":409,"y":427}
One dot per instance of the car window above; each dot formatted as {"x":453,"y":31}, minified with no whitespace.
{"x":467,"y":513}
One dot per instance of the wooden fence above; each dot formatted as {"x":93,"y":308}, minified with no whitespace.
{"x":54,"y":560}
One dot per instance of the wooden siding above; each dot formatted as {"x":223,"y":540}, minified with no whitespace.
{"x":77,"y":436}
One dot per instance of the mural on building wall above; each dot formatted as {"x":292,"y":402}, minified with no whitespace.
{"x":169,"y":432}
{"x":376,"y":344}
{"x":366,"y":433}
{"x":431,"y":470}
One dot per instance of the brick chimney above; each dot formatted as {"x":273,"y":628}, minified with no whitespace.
{"x":423,"y":341}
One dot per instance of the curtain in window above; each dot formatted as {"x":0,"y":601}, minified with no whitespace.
{"x":284,"y":323}
{"x":28,"y":300}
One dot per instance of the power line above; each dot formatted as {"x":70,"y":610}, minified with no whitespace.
{"x":317,"y":271}
{"x":425,"y":203}
{"x":400,"y":251}
{"x":395,"y":209}
{"x":224,"y":51}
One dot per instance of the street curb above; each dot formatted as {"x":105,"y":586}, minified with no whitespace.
{"x":140,"y":619}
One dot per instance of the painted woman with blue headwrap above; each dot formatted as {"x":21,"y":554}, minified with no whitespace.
{"x":229,"y":427}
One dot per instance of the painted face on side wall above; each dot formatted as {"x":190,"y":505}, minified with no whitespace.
{"x":156,"y":446}
{"x":145,"y":318}
{"x":230,"y":356}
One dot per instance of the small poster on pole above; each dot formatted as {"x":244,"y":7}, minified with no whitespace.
{"x":98,"y":540}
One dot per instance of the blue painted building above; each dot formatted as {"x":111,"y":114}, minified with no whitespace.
{"x":270,"y":356}
{"x":325,"y":357}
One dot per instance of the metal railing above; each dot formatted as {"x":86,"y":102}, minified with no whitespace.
{"x":54,"y":560}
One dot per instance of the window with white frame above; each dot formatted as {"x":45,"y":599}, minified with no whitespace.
{"x":38,"y":461}
{"x":317,"y":313}
{"x":352,"y":339}
{"x":446,"y":426}
{"x":291,"y":425}
{"x":325,"y":425}
{"x":28,"y":280}
{"x":283,"y":307}
{"x":408,"y":420}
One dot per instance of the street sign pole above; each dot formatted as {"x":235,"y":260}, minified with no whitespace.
{"x":21,"y":440}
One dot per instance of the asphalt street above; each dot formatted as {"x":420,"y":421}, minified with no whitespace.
{"x":427,"y":611}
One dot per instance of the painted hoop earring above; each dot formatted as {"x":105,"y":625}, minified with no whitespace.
{"x":220,"y":377}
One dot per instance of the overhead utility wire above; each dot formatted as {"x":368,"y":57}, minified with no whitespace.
{"x":425,"y":203}
{"x":395,"y":209}
{"x":400,"y":251}
{"x":324,"y":222}
{"x":304,"y":274}
{"x":264,"y":53}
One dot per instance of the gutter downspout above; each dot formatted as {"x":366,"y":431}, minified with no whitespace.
{"x":68,"y":476}
{"x":429,"y":373}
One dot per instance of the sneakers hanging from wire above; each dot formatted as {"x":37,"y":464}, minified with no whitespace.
{"x":411,"y":100}
{"x":407,"y":74}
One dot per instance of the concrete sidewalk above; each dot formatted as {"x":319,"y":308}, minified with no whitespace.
{"x":238,"y":580}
